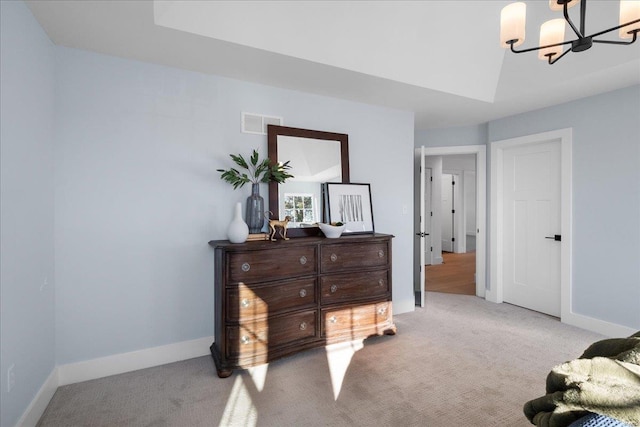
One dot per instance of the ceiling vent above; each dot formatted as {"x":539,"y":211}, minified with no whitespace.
{"x":257,"y":123}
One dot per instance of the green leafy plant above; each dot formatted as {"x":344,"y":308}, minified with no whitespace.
{"x":257,"y":171}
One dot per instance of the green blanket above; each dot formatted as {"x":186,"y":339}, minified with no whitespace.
{"x":604,"y":380}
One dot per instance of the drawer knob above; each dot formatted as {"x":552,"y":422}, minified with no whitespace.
{"x":245,"y":339}
{"x":333,"y":319}
{"x":303,"y":326}
{"x":334,"y":257}
{"x":333,"y":289}
{"x":382,"y":311}
{"x":380,"y":253}
{"x":303,"y":260}
{"x":245,"y":303}
{"x":303,"y":293}
{"x":380,"y":282}
{"x":246,"y":267}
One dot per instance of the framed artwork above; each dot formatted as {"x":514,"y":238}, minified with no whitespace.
{"x":351,"y":205}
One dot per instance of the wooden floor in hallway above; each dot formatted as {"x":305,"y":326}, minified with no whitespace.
{"x":456,"y":275}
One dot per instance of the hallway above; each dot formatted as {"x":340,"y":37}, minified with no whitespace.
{"x":456,"y":275}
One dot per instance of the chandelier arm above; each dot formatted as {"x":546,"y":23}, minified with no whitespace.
{"x":511,"y":42}
{"x":599,"y":33}
{"x":558,"y":58}
{"x":583,"y":16}
{"x":568,"y":19}
{"x":635,"y":36}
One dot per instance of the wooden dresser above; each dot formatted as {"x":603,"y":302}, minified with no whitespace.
{"x":273,"y":299}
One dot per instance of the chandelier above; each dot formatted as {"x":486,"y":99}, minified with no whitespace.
{"x":551,"y":49}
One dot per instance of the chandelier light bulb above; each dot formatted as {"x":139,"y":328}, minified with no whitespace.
{"x":512,"y":24}
{"x":629,"y":11}
{"x":551,"y":32}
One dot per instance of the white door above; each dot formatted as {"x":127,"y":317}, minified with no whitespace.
{"x":422,"y":233}
{"x":447,"y":212}
{"x":428,"y":249}
{"x":531,"y":203}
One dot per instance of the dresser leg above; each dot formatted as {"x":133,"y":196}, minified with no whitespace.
{"x":222,"y":372}
{"x":391,"y":331}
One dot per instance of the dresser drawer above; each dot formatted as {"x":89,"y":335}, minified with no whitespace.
{"x":250,"y":301}
{"x":254,"y":338}
{"x":272,"y":264}
{"x":352,"y":286}
{"x":347,"y":256}
{"x":361,"y":321}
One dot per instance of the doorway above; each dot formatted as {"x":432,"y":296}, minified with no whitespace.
{"x":456,"y":271}
{"x":502,"y":225}
{"x":426,"y":158}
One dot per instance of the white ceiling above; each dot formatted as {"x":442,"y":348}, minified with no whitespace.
{"x":440,"y":59}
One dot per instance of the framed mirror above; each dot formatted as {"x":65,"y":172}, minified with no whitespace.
{"x":315,"y":157}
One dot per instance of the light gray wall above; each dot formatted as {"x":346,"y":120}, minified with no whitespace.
{"x":138,"y":197}
{"x":446,"y":137}
{"x":27,"y":335}
{"x":459,"y":162}
{"x":606,"y":197}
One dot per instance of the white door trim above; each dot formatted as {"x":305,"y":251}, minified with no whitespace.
{"x":481,"y":201}
{"x":564,"y":136}
{"x":459,"y":231}
{"x":423,"y":222}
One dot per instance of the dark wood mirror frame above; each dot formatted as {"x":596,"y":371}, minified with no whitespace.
{"x":273,"y":132}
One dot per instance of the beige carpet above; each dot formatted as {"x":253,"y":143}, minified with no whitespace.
{"x":460,"y":361}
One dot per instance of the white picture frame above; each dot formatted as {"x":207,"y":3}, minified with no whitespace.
{"x":351,"y":205}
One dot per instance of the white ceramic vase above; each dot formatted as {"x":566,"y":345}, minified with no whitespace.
{"x":238,"y":230}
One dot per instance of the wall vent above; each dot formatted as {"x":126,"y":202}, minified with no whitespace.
{"x":257,"y":123}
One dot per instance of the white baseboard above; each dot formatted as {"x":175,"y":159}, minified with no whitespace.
{"x":110,"y":365}
{"x":132,"y":361}
{"x":437,"y":260}
{"x":581,"y":321}
{"x":598,"y":326}
{"x":39,"y":403}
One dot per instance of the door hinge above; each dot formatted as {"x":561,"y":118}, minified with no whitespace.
{"x":453,"y":239}
{"x":431,"y":248}
{"x":453,"y":211}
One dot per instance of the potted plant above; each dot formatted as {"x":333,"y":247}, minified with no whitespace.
{"x":255,"y":172}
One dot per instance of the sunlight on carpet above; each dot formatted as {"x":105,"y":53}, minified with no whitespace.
{"x":259,"y":375}
{"x":339,"y":358}
{"x":240,"y":409}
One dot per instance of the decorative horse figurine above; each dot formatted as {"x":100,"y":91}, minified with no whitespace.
{"x":276,"y":223}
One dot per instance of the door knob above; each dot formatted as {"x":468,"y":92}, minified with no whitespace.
{"x":556,"y":237}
